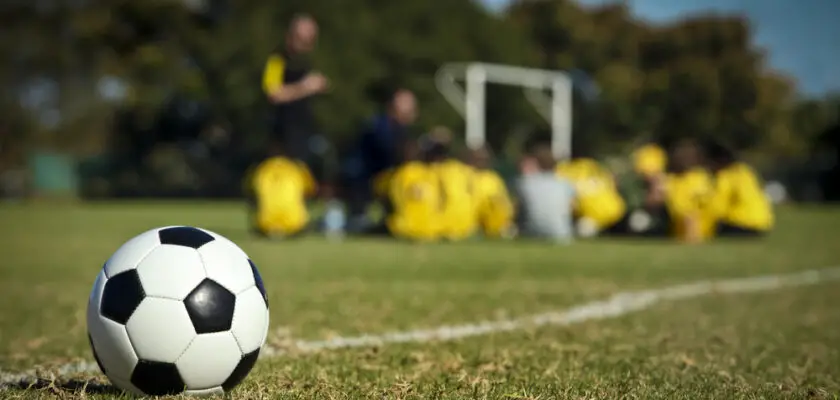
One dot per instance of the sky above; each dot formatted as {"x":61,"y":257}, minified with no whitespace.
{"x":802,"y":36}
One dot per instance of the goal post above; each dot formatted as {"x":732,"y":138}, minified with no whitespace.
{"x":469,"y":99}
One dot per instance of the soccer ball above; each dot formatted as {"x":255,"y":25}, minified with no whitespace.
{"x":177,"y":309}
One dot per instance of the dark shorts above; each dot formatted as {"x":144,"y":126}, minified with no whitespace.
{"x":620,"y":228}
{"x":727,"y":230}
{"x":660,"y":224}
{"x":295,"y":143}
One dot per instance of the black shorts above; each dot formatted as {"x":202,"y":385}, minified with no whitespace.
{"x":728,"y":230}
{"x":620,"y":228}
{"x":295,"y":143}
{"x":660,"y":224}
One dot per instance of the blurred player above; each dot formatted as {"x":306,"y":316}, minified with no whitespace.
{"x":377,"y":153}
{"x":650,"y":163}
{"x":599,"y":206}
{"x":414,"y":199}
{"x":458,"y":219}
{"x":739,"y":201}
{"x":277,"y":193}
{"x":492,"y":201}
{"x":688,"y":190}
{"x":289,"y":83}
{"x":545,"y":199}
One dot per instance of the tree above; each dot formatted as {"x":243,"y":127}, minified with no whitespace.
{"x":701,"y":76}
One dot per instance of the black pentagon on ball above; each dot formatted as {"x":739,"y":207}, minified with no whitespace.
{"x":241,"y":371}
{"x":210,"y":307}
{"x":157,"y":378}
{"x":122,"y":294}
{"x":259,"y":282}
{"x":186,"y":236}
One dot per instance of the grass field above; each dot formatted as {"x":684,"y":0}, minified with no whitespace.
{"x":781,"y":344}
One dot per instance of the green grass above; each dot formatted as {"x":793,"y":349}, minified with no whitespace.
{"x":781,"y":344}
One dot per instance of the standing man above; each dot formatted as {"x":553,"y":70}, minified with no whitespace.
{"x":289,"y":83}
{"x":278,"y":187}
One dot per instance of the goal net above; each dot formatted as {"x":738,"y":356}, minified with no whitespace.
{"x":468,"y":98}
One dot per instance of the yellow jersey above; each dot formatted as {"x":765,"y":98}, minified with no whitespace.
{"x":492,"y":203}
{"x":458,"y":218}
{"x":687,"y":196}
{"x":279,"y":187}
{"x":739,"y":199}
{"x":415,"y":199}
{"x":596,"y":195}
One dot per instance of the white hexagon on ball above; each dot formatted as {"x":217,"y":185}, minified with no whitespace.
{"x":171,"y":272}
{"x":177,"y":310}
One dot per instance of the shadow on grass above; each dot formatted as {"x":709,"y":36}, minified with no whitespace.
{"x":73,"y":386}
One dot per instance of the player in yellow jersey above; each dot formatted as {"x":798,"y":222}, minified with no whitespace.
{"x":493,"y":205}
{"x":650,"y":163}
{"x":739,"y":202}
{"x":688,"y":190}
{"x":277,"y":190}
{"x":599,"y":206}
{"x":458,"y":219}
{"x":413,"y":199}
{"x":650,"y":160}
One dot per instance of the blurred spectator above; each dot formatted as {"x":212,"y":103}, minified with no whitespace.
{"x":377,"y":150}
{"x":494,"y":205}
{"x":278,"y":191}
{"x":599,"y":206}
{"x":546,"y":199}
{"x":458,"y":219}
{"x":738,"y":202}
{"x":688,"y":189}
{"x":289,"y":84}
{"x":413,"y":196}
{"x":650,"y":162}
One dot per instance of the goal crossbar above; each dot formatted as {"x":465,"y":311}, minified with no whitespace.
{"x":469,"y":100}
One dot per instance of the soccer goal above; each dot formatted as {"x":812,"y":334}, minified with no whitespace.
{"x":469,"y":99}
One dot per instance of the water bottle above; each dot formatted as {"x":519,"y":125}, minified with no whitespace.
{"x":334,"y":220}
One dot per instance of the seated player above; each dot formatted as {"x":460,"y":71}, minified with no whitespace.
{"x":278,"y":189}
{"x":458,"y":219}
{"x":688,"y":190}
{"x":650,"y":162}
{"x":492,"y":201}
{"x":599,"y":207}
{"x":738,"y":202}
{"x":545,"y":199}
{"x":413,"y":199}
{"x":376,"y":152}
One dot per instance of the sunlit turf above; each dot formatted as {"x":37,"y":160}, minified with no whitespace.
{"x":782,"y":344}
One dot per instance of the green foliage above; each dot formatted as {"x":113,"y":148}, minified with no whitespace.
{"x":700,"y":76}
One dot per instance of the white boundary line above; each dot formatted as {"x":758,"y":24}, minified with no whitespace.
{"x":616,"y":306}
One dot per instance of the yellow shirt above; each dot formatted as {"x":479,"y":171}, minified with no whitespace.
{"x":280,"y":187}
{"x":650,"y":160}
{"x":414,"y":195}
{"x":597,"y":196}
{"x":493,"y":203}
{"x":458,"y":213}
{"x":687,"y":196}
{"x":739,"y":199}
{"x":273,"y":74}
